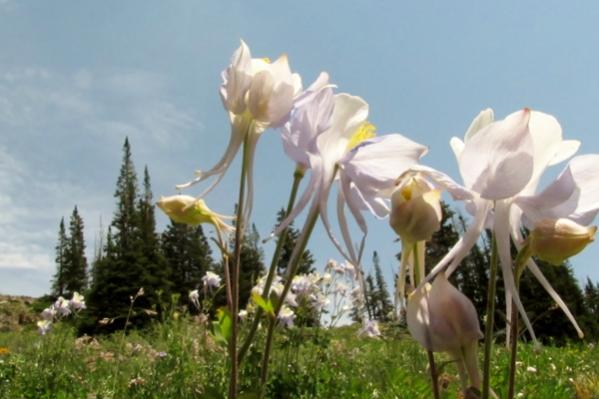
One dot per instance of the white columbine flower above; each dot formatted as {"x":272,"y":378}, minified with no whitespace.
{"x":257,"y":94}
{"x":370,"y":329}
{"x":77,"y":302}
{"x":44,"y":326}
{"x":49,"y":313}
{"x":194,"y":297}
{"x":286,"y":316}
{"x":211,"y":280}
{"x":501,"y":163}
{"x":62,"y":307}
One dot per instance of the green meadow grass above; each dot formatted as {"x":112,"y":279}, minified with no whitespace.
{"x":179,"y":359}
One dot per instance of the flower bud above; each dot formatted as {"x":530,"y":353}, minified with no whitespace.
{"x":189,"y":210}
{"x":415,"y":210}
{"x":441,"y":318}
{"x":556,"y":240}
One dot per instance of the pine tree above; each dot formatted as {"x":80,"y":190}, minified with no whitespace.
{"x":252,"y":265}
{"x":381,"y":294}
{"x":75,"y":271}
{"x":58,"y":283}
{"x":591,"y":301}
{"x":307,"y":261}
{"x":188,"y":257}
{"x":370,"y":297}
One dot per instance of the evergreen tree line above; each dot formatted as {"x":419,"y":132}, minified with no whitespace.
{"x":131,"y":255}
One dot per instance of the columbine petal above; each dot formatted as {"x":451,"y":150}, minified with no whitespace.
{"x":482,"y":120}
{"x":573,"y":195}
{"x":497,"y":161}
{"x":236,"y":80}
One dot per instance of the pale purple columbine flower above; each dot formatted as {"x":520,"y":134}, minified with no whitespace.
{"x":257,"y":94}
{"x":44,"y":326}
{"x":194,"y":298}
{"x":62,"y":307}
{"x":286,"y":316}
{"x":49,"y":313}
{"x":501,"y":163}
{"x":211,"y":280}
{"x":77,"y":302}
{"x":370,"y":329}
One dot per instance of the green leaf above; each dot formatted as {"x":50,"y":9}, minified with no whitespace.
{"x":267,"y":306}
{"x":223,"y":326}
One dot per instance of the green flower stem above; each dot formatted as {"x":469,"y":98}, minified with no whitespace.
{"x":520,"y":266}
{"x":297,"y":178}
{"x":235,"y":267}
{"x":294,"y":262}
{"x":490,"y":319}
{"x":430,"y":355}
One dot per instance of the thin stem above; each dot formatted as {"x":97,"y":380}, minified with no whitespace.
{"x":490,"y":319}
{"x":292,"y":267}
{"x":431,"y":356}
{"x":297,"y":177}
{"x":235,"y":267}
{"x":514,"y":332}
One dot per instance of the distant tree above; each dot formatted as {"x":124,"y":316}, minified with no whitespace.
{"x":75,"y":270}
{"x":591,"y":301}
{"x":188,"y":257}
{"x":381,"y":295}
{"x":58,"y":283}
{"x":252,"y":265}
{"x":307,"y":260}
{"x":370,"y":297}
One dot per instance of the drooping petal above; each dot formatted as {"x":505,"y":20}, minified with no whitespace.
{"x":497,"y":161}
{"x":239,"y":128}
{"x":457,"y":191}
{"x":502,"y":237}
{"x":573,"y":195}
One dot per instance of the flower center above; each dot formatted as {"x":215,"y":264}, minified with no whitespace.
{"x":364,"y":132}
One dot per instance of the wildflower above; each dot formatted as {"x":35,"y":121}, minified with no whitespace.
{"x":555,"y":241}
{"x":189,"y":210}
{"x":286,"y":316}
{"x":49,"y":313}
{"x":62,"y":307}
{"x":370,"y":329}
{"x":531,"y":369}
{"x":4,"y":351}
{"x":44,"y":326}
{"x":442,"y":319}
{"x":243,"y":314}
{"x":257,"y":94}
{"x":211,"y":280}
{"x":194,"y":297}
{"x":501,"y":163}
{"x":77,"y":302}
{"x":415,"y":210}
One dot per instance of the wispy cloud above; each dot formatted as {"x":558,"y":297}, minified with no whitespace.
{"x":60,"y":137}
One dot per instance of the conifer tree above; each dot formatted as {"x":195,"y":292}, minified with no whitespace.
{"x":252,"y":264}
{"x":307,"y":261}
{"x":75,"y":271}
{"x":58,"y":283}
{"x":188,"y":257}
{"x":381,"y":294}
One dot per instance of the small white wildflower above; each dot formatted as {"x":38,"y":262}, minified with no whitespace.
{"x":77,"y":302}
{"x":370,"y":329}
{"x":211,"y":280}
{"x":243,"y":314}
{"x":194,"y":297}
{"x":286,"y":316}
{"x":44,"y":326}
{"x":531,"y":369}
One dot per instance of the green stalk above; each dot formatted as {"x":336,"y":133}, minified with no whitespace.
{"x":294,"y":262}
{"x":520,"y":266}
{"x":490,"y":319}
{"x":297,"y":177}
{"x":235,"y":268}
{"x":430,"y":355}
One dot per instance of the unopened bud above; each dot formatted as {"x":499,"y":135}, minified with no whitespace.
{"x":556,"y":240}
{"x":415,"y":210}
{"x":189,"y":210}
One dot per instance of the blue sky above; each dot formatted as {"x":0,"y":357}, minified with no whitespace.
{"x":77,"y":77}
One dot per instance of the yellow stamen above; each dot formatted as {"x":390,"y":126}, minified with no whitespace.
{"x":364,"y":132}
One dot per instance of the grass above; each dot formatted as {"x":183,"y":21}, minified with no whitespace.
{"x":179,"y":359}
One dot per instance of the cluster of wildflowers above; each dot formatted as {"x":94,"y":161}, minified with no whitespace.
{"x":329,"y":137}
{"x":59,"y":309}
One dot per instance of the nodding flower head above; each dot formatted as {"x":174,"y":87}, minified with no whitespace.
{"x":415,"y":209}
{"x":189,"y":210}
{"x":555,"y":241}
